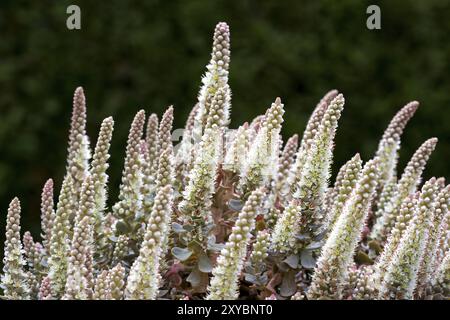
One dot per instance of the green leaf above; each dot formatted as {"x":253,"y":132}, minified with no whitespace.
{"x":178,"y":228}
{"x":250,"y":277}
{"x":188,"y":227}
{"x":307,"y":259}
{"x":362,"y":258}
{"x":314,"y":245}
{"x":374,"y":245}
{"x":204,"y":264}
{"x":213,"y":246}
{"x":44,"y":262}
{"x":236,"y":204}
{"x":194,"y":278}
{"x":321,"y":235}
{"x":302,"y":237}
{"x":113,"y":239}
{"x":288,"y":286}
{"x":292,"y":261}
{"x":181,"y":254}
{"x":122,"y":227}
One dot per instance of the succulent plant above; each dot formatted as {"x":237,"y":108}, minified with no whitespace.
{"x":230,"y":214}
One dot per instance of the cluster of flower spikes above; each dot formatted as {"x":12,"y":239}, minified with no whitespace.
{"x":230,"y":214}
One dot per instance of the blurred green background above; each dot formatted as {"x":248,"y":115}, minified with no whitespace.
{"x":149,"y":54}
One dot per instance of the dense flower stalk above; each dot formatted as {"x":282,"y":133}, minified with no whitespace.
{"x":14,"y":280}
{"x":116,"y":282}
{"x":337,"y":253}
{"x":165,"y":130}
{"x":242,"y":218}
{"x":215,"y":77}
{"x":86,"y":209}
{"x":185,"y":151}
{"x":45,"y":290}
{"x":121,"y":249}
{"x":144,"y":278}
{"x":224,"y":284}
{"x":34,"y":255}
{"x":165,"y":173}
{"x":400,"y":279}
{"x":60,"y":241}
{"x":101,"y":289}
{"x":77,"y":286}
{"x":254,"y":127}
{"x":310,"y":132}
{"x":260,"y":248}
{"x":316,"y":172}
{"x":286,"y":161}
{"x":390,"y":142}
{"x":153,"y":147}
{"x":440,"y":284}
{"x":304,"y":213}
{"x":34,"y":252}
{"x":427,"y":265}
{"x":79,"y":150}
{"x":388,"y":192}
{"x":443,"y":242}
{"x":165,"y":177}
{"x":346,"y":180}
{"x":262,"y":162}
{"x":130,"y":198}
{"x":407,"y":184}
{"x":237,"y":151}
{"x":197,"y":194}
{"x":364,"y":287}
{"x":47,"y":214}
{"x":283,"y":236}
{"x":403,"y":219}
{"x":98,"y":174}
{"x":271,"y":217}
{"x":148,"y":181}
{"x":86,"y":205}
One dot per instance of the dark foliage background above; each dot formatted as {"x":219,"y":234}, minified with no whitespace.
{"x":149,"y":54}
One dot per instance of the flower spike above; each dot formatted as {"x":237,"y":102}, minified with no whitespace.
{"x":79,"y":151}
{"x":224,"y":283}
{"x":144,"y":278}
{"x":130,"y":197}
{"x":311,"y":130}
{"x":47,"y":213}
{"x":165,"y":130}
{"x":407,"y":185}
{"x":400,"y":279}
{"x":14,"y":278}
{"x":60,"y":241}
{"x":337,"y":253}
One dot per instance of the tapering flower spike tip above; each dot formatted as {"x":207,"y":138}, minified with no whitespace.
{"x":47,"y":213}
{"x":165,"y":129}
{"x":14,"y":278}
{"x":79,"y":151}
